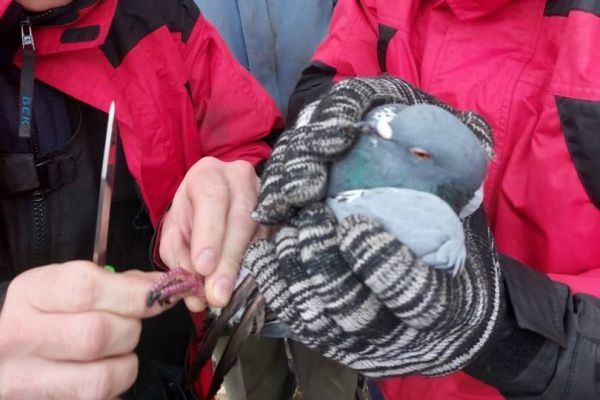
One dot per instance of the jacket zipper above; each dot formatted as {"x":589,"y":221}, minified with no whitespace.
{"x":28,"y":130}
{"x":27,"y":74}
{"x":40,"y":221}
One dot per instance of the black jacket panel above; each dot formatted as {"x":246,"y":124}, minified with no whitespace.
{"x":549,"y":344}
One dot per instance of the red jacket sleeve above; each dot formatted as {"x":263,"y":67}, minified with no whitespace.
{"x":233,"y":111}
{"x":3,"y":6}
{"x":351,"y":45}
{"x":350,"y":49}
{"x":588,"y":283}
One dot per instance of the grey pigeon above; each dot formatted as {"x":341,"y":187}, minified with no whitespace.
{"x":415,"y":169}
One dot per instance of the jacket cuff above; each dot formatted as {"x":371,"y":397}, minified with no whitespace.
{"x":539,"y":304}
{"x":571,"y":374}
{"x":522,"y":356}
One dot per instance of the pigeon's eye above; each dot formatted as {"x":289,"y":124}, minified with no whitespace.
{"x":420,"y":153}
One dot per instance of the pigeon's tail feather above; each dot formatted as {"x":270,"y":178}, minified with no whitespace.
{"x":246,"y":290}
{"x":254,"y":311}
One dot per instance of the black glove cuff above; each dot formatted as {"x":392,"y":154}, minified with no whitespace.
{"x":539,"y":304}
{"x":521,"y":358}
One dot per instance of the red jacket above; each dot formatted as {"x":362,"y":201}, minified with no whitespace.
{"x":530,"y":67}
{"x":180,"y":94}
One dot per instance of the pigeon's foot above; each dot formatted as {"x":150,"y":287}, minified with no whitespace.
{"x":175,"y":285}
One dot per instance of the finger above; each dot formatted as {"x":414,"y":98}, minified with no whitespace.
{"x":208,"y":192}
{"x":174,"y":247}
{"x":412,"y":290}
{"x":376,"y":256}
{"x":262,"y":262}
{"x":273,"y":206}
{"x":81,"y":286}
{"x":347,"y":300}
{"x":175,"y":253}
{"x":104,"y":379}
{"x":305,"y":308}
{"x":80,"y":337}
{"x":304,"y":175}
{"x":194,"y":304}
{"x":240,"y":230}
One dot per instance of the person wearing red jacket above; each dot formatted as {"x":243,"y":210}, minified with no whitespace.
{"x":528,"y":68}
{"x":192,"y":124}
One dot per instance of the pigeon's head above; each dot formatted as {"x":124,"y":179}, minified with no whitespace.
{"x":421,"y":147}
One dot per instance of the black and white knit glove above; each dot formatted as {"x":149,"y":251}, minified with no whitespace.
{"x":360,"y":297}
{"x":352,"y":291}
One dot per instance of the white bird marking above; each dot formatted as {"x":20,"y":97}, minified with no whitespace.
{"x":383,"y":117}
{"x":384,"y":129}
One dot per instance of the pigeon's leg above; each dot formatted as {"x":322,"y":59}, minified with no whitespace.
{"x":175,"y":285}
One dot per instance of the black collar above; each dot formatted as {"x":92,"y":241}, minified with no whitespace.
{"x":60,"y":15}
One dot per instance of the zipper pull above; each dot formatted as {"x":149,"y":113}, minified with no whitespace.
{"x":27,"y":77}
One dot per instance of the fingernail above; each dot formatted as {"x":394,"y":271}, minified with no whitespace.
{"x":206,"y":262}
{"x":223,"y":287}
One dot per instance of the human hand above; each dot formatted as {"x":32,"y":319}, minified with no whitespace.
{"x":68,"y":331}
{"x":42,"y":5}
{"x":358,"y":296}
{"x":208,"y":226}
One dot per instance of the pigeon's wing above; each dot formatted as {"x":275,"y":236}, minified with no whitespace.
{"x":420,"y":220}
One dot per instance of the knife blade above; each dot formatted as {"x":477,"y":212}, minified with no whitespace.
{"x":107,"y":180}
